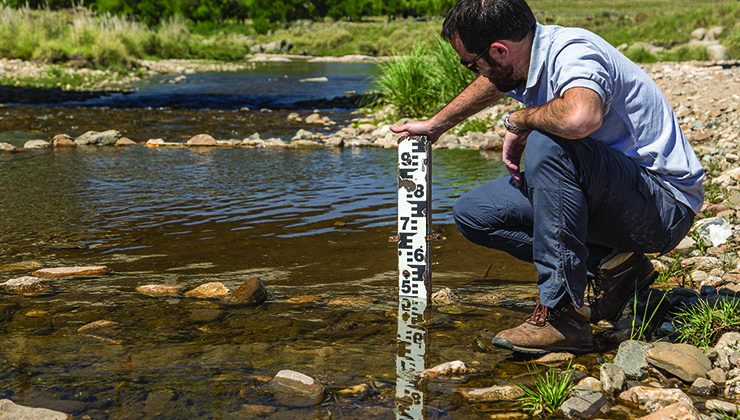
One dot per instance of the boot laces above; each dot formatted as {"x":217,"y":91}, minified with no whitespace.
{"x":540,"y":316}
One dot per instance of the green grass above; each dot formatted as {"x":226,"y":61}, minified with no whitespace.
{"x":422,"y":82}
{"x":701,"y":324}
{"x":639,"y":328}
{"x":474,"y":125}
{"x":549,"y":392}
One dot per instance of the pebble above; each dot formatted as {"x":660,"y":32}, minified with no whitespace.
{"x":612,"y":378}
{"x":703,"y":387}
{"x":71,"y":272}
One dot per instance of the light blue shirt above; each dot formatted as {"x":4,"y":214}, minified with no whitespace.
{"x":638,"y":121}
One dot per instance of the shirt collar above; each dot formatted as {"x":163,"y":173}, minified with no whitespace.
{"x":537,"y":57}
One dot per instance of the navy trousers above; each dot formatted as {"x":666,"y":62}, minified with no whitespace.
{"x":578,"y":202}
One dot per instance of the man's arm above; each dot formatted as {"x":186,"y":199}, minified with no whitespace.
{"x":575,"y":115}
{"x":479,"y":94}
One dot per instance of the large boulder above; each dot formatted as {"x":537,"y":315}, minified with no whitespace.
{"x":681,"y":360}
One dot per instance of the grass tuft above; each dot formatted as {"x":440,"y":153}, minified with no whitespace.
{"x":702,"y":323}
{"x":549,"y":392}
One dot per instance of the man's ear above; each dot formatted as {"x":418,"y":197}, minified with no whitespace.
{"x":500,"y":49}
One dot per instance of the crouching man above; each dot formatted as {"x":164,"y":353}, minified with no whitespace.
{"x":609,"y":174}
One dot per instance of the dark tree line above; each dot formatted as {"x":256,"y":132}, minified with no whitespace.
{"x":264,"y":11}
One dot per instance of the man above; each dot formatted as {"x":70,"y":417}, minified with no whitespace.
{"x":609,"y":175}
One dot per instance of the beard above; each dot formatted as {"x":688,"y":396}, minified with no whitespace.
{"x":503,"y":76}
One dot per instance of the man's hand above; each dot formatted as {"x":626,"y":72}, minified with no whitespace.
{"x":418,"y":128}
{"x":512,"y":153}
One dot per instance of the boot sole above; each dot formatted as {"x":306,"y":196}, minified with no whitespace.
{"x":641,"y":285}
{"x":506,"y":344}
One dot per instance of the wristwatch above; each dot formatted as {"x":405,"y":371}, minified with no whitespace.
{"x":511,"y":127}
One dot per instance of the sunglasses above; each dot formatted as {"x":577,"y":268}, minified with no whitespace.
{"x":473,"y":65}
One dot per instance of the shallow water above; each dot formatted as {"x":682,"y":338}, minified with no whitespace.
{"x":307,"y":222}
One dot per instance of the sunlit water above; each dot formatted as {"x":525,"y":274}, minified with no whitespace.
{"x":307,"y":222}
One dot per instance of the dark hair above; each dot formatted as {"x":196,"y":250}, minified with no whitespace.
{"x":479,"y":22}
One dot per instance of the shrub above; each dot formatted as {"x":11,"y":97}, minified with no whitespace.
{"x":702,"y":323}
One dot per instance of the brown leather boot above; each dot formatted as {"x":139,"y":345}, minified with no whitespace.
{"x":549,"y":330}
{"x":617,"y":282}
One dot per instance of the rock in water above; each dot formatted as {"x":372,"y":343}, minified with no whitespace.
{"x":202,"y":140}
{"x":583,"y":406}
{"x":492,"y":394}
{"x":682,"y":360}
{"x":94,"y":138}
{"x":7,"y":147}
{"x":252,"y":291}
{"x":653,"y":399}
{"x":63,"y":140}
{"x":63,"y":272}
{"x":159,"y":290}
{"x":446,"y":369}
{"x":26,"y":286}
{"x":209,"y":291}
{"x":444,"y":296}
{"x":124,"y":141}
{"x":36,"y":144}
{"x":97,"y":325}
{"x":10,"y":410}
{"x":297,"y":383}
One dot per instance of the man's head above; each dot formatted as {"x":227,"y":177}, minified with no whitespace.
{"x":492,"y":32}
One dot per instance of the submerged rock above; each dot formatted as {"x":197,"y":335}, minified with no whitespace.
{"x":20,"y":266}
{"x":456,"y":367}
{"x":26,"y":286}
{"x":681,"y":360}
{"x":492,"y":394}
{"x":159,"y":290}
{"x":444,"y":296}
{"x":307,"y":299}
{"x":64,"y":272}
{"x":209,"y":291}
{"x":653,"y":399}
{"x":10,"y":410}
{"x":97,"y":325}
{"x":297,"y":383}
{"x":551,"y":359}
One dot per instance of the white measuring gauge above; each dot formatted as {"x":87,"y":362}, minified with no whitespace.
{"x":414,"y":218}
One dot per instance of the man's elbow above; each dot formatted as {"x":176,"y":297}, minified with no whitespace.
{"x":584,"y":123}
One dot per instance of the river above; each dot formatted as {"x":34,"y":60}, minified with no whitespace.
{"x":307,"y":222}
